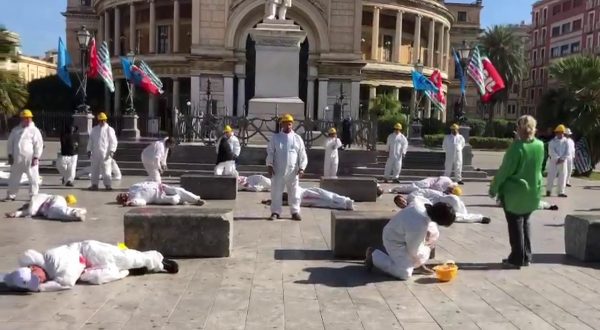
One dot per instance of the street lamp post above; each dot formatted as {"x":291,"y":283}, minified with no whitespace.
{"x":415,"y":125}
{"x":83,"y":38}
{"x":130,"y":87}
{"x":465,"y":57}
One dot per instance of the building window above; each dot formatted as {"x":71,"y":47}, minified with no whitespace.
{"x":86,"y":2}
{"x":163,"y":39}
{"x":542,"y":75}
{"x":388,"y":45}
{"x":534,"y":55}
{"x":577,"y":25}
{"x":564,"y":50}
{"x":556,"y":10}
{"x":577,"y":3}
{"x":565,"y":28}
{"x":540,"y":92}
{"x":543,"y":34}
{"x":555,"y":52}
{"x":533,"y":75}
{"x":543,"y":55}
{"x":535,"y":38}
{"x":462,"y":16}
{"x":566,"y":6}
{"x":532,"y":94}
{"x":537,"y":18}
{"x":575,"y":47}
{"x":556,"y":31}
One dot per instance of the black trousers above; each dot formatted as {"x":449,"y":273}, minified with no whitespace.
{"x":519,"y":236}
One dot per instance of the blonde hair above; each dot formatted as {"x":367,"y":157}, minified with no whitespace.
{"x":526,"y":126}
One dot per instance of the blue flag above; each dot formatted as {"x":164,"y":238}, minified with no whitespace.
{"x":126,"y":63}
{"x":421,"y":83}
{"x":460,"y":75}
{"x":64,"y":60}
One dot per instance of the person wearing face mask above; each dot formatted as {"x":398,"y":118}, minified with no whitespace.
{"x":24,"y":147}
{"x":558,"y":151}
{"x":453,"y":146}
{"x":286,"y":162}
{"x":101,"y":149}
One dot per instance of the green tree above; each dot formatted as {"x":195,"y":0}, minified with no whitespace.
{"x":505,"y":50}
{"x":385,"y":104}
{"x":13,"y":93}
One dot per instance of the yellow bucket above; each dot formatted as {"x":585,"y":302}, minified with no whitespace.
{"x":446,"y":272}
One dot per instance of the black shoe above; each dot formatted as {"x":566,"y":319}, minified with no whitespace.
{"x":170,"y":266}
{"x":548,"y":194}
{"x":296,"y":217}
{"x":69,"y":184}
{"x":274,"y":216}
{"x":486,"y":220}
{"x":562,"y":195}
{"x":461,"y":182}
{"x":93,"y":188}
{"x":108,"y":188}
{"x":138,"y":271}
{"x":507,"y":265}
{"x":369,"y":258}
{"x":553,"y":208}
{"x":568,"y":185}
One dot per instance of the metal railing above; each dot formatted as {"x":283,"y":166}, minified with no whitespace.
{"x":208,"y":128}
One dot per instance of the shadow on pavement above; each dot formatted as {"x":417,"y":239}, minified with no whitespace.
{"x":344,"y":277}
{"x":554,"y":225}
{"x":6,"y":291}
{"x":295,"y":254}
{"x":591,"y":187}
{"x":588,"y":210}
{"x":563,"y":259}
{"x":479,"y":266}
{"x":483,"y":205}
{"x":427,"y":280}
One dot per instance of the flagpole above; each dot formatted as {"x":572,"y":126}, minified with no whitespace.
{"x":130,"y":87}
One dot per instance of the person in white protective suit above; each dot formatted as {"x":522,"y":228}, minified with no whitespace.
{"x":89,"y":262}
{"x":24,"y":148}
{"x":571,"y":159}
{"x":331,"y":162}
{"x":228,"y":151}
{"x":405,"y":237}
{"x":318,"y":197}
{"x":286,"y":162}
{"x":441,"y":183}
{"x":151,"y":192}
{"x":453,"y":146}
{"x":86,"y":172}
{"x":67,"y":160}
{"x":51,"y":207}
{"x":434,"y":196}
{"x":254,"y":183}
{"x":396,"y":147}
{"x":154,"y":158}
{"x":101,"y":148}
{"x":558,"y":155}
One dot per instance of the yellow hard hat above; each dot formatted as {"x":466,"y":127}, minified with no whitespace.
{"x":227,"y":129}
{"x":102,"y":116}
{"x":457,"y":191}
{"x":398,"y":126}
{"x":332,"y":130}
{"x":71,"y":199}
{"x":454,"y":127}
{"x":122,"y":246}
{"x":287,"y":118}
{"x":560,"y":129}
{"x":26,"y":114}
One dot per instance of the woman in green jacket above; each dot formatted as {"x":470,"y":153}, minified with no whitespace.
{"x":518,"y":186}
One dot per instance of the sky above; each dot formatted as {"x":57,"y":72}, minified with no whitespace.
{"x":40,"y":23}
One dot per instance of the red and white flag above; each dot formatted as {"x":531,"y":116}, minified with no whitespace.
{"x":493,"y":81}
{"x":93,"y":59}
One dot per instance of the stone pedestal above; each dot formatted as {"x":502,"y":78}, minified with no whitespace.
{"x":277,"y":69}
{"x":357,"y":189}
{"x":465,"y":131}
{"x":414,"y":136}
{"x":352,"y":232}
{"x":130,"y":129}
{"x":83,"y":122}
{"x":582,"y":237}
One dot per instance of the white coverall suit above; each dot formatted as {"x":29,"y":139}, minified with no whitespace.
{"x":88,"y":261}
{"x":441,"y":183}
{"x":52,"y":207}
{"x":404,"y":240}
{"x":557,"y":149}
{"x":154,"y":158}
{"x":287,"y":155}
{"x":317,"y":197}
{"x":453,"y":146}
{"x":396,"y":146}
{"x":434,"y":196}
{"x":102,"y":143}
{"x":254,"y":183}
{"x":150,"y":192}
{"x":571,"y":159}
{"x":331,"y":162}
{"x":228,"y":167}
{"x":23,"y":145}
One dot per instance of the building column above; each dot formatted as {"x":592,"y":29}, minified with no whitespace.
{"x":117,"y":100}
{"x":417,"y":40}
{"x":152,"y":28}
{"x":447,"y":51}
{"x":310,"y":97}
{"x":372,"y":93}
{"x":431,"y":43}
{"x":396,"y":93}
{"x":228,"y":94}
{"x":117,"y":38}
{"x":101,"y":28}
{"x":398,"y":38}
{"x":107,"y":27}
{"x":132,"y":35}
{"x":322,"y":97}
{"x":355,"y":99}
{"x":176,"y":23}
{"x":176,"y":92}
{"x":440,"y":42}
{"x":195,"y":92}
{"x":241,"y":101}
{"x":152,"y":106}
{"x":427,"y":110}
{"x":375,"y":35}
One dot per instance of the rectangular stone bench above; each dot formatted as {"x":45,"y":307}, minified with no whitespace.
{"x":188,"y":232}
{"x":210,"y":186}
{"x":357,"y":189}
{"x":353,"y":231}
{"x":582,"y":237}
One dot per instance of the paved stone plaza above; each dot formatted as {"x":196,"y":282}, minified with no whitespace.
{"x":281,"y":276}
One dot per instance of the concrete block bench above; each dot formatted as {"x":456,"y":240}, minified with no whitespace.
{"x":357,"y":189}
{"x":582,"y":237}
{"x":187,"y":232}
{"x":352,"y":232}
{"x":210,"y":186}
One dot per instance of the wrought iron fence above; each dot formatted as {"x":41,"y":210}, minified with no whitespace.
{"x":207,"y":129}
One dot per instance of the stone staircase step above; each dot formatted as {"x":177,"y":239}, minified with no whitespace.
{"x":421,"y":172}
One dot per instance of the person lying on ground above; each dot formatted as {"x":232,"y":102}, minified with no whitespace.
{"x":254,"y":183}
{"x":150,"y":192}
{"x":441,"y":183}
{"x":317,"y":197}
{"x":542,"y":206}
{"x":51,"y":207}
{"x":91,"y":262}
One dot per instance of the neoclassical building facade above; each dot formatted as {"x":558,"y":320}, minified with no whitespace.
{"x":354,"y":49}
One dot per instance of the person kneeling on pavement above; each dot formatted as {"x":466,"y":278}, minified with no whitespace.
{"x":150,"y":192}
{"x":51,"y":207}
{"x":91,"y":262}
{"x":404,"y":238}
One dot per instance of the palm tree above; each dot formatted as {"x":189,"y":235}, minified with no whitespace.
{"x":505,"y":50}
{"x":13,"y":93}
{"x":385,"y":104}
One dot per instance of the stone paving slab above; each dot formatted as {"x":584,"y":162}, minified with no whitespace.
{"x":281,"y":275}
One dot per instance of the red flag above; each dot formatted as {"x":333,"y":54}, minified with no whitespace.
{"x":93,"y":60}
{"x":493,"y":81}
{"x":141,"y":79}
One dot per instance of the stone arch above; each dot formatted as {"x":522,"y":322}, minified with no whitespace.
{"x":251,"y":12}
